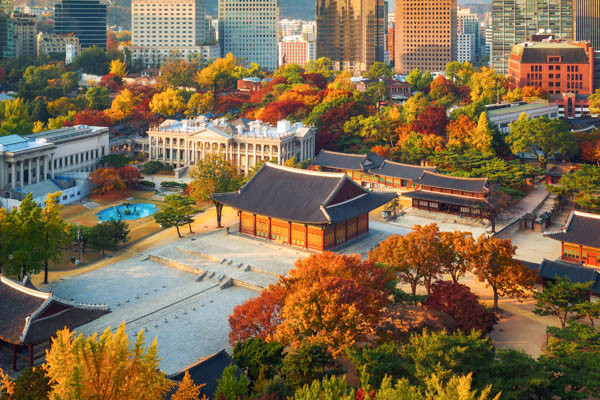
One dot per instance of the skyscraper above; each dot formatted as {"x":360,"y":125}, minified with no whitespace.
{"x":467,"y":24}
{"x":514,"y":21}
{"x":25,"y":39}
{"x":426,"y":34}
{"x":7,"y":29}
{"x":84,"y":18}
{"x":351,"y":32}
{"x":248,"y":29}
{"x":587,"y":21}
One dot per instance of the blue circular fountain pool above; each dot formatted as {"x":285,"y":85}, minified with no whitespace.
{"x":130,"y":211}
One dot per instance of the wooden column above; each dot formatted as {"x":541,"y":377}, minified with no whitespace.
{"x":270,"y":230}
{"x":289,"y":232}
{"x":240,"y":222}
{"x":323,"y":238}
{"x":254,"y":225}
{"x":562,"y":250}
{"x":306,"y":236}
{"x":580,"y":253}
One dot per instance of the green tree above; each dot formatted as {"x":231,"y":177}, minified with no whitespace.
{"x":258,"y":357}
{"x":487,"y":85}
{"x":419,"y":80}
{"x":177,"y":212}
{"x":595,"y":102}
{"x":322,"y":66}
{"x":379,"y":362}
{"x":213,"y":175}
{"x":200,"y":103}
{"x":108,"y":235}
{"x":26,"y":255}
{"x":414,"y":106}
{"x":56,"y":231}
{"x":571,"y":358}
{"x":589,"y":310}
{"x":582,"y":185}
{"x":177,"y":73}
{"x":230,"y":387}
{"x":531,"y":382}
{"x":115,"y":160}
{"x":378,"y":70}
{"x":292,"y":73}
{"x":308,"y":363}
{"x":31,"y":384}
{"x":561,"y":299}
{"x":98,"y":98}
{"x":92,"y":60}
{"x":459,"y":73}
{"x":330,"y":388}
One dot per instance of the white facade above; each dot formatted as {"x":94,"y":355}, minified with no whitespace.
{"x":468,"y":24}
{"x":465,"y":47}
{"x":52,"y":43}
{"x":242,"y":142}
{"x":26,"y":161}
{"x":163,"y":28}
{"x":504,"y":115}
{"x":249,"y":30}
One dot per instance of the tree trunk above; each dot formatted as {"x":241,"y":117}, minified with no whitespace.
{"x":413,"y":287}
{"x":454,"y":278}
{"x":219,"y":208}
{"x":190,"y":226}
{"x":24,"y":272}
{"x":495,"y":299}
{"x":178,"y":233}
{"x":493,"y":222}
{"x":45,"y":272}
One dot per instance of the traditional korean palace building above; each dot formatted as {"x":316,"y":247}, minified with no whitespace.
{"x":579,"y":239}
{"x":29,"y":318}
{"x":467,"y":197}
{"x":549,"y":270}
{"x":310,"y":209}
{"x":371,"y":170}
{"x":242,"y":142}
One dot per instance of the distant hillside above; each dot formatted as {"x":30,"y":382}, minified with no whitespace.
{"x":293,"y":9}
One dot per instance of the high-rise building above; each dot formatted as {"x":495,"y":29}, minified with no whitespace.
{"x":468,"y":24}
{"x":465,"y":47}
{"x":426,"y":34}
{"x":7,"y":30}
{"x":587,"y":21}
{"x":48,"y":43}
{"x":296,"y":49}
{"x":391,"y":36}
{"x":169,"y":28}
{"x":25,"y":39}
{"x":249,"y":30}
{"x":351,"y":33}
{"x":84,"y":18}
{"x":514,"y":21}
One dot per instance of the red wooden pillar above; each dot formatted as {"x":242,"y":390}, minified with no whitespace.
{"x":254,"y":225}
{"x":580,"y":253}
{"x":562,"y":250}
{"x":306,"y":236}
{"x":270,"y":237}
{"x":323,"y":238}
{"x":290,"y":232}
{"x":240,"y":222}
{"x":31,"y":355}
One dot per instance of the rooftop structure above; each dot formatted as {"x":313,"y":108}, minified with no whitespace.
{"x":371,"y":170}
{"x":243,"y":142}
{"x":451,"y":195}
{"x":315,"y":210}
{"x":502,"y":115}
{"x":31,"y":317}
{"x":549,"y":270}
{"x":579,"y":238}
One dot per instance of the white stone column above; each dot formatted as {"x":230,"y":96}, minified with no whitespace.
{"x":247,"y":160}
{"x":37,"y":170}
{"x":13,"y":180}
{"x":203,"y":150}
{"x":52,"y":165}
{"x":164,"y":142}
{"x":22,"y":181}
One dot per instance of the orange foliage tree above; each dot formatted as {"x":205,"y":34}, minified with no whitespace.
{"x":333,"y":298}
{"x":257,"y":317}
{"x":432,"y":121}
{"x":309,"y":95}
{"x":130,"y":175}
{"x":279,"y":110}
{"x":89,"y":117}
{"x":589,"y":146}
{"x":455,"y":248}
{"x":492,"y":262}
{"x":460,"y":131}
{"x":106,"y":180}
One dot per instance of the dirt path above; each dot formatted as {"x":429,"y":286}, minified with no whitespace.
{"x":204,"y":222}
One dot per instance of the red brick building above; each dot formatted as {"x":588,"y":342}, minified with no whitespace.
{"x":391,"y":41}
{"x":309,"y":209}
{"x":564,"y":69}
{"x":296,"y":50}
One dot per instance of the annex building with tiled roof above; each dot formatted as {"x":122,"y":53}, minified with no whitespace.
{"x":579,"y":238}
{"x":311,"y":209}
{"x":30,"y":317}
{"x":550,"y":270}
{"x":371,"y":170}
{"x":467,"y":197}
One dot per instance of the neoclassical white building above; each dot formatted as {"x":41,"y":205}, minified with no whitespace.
{"x":243,"y":142}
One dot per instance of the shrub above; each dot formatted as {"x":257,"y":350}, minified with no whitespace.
{"x":152,"y":167}
{"x":148,"y":184}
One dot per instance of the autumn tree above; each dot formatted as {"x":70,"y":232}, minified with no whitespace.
{"x":122,"y":106}
{"x":14,"y":117}
{"x":527,"y":93}
{"x":200,"y":103}
{"x":130,"y":175}
{"x":334,"y":299}
{"x":443,"y":91}
{"x":595,"y":102}
{"x":589,"y":146}
{"x":55,"y":229}
{"x":106,"y":180}
{"x":561,"y":299}
{"x":219,"y":74}
{"x":460,"y":131}
{"x":492,"y":262}
{"x":487,"y":85}
{"x":455,"y":246}
{"x":118,"y":68}
{"x":462,"y":305}
{"x":177,"y":212}
{"x":177,"y":73}
{"x":459,"y":73}
{"x":188,"y":390}
{"x":98,"y":98}
{"x":214,"y":174}
{"x":111,"y":82}
{"x":167,"y":103}
{"x":542,"y":136}
{"x":257,"y":317}
{"x":322,"y":66}
{"x":105,"y":367}
{"x":482,"y":138}
{"x":431,"y":121}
